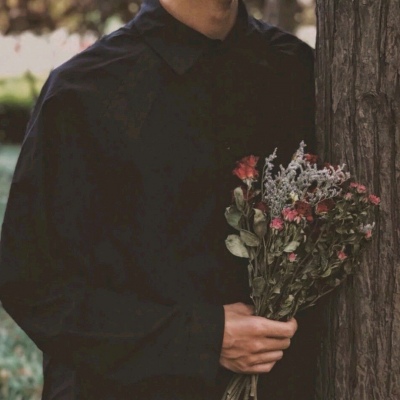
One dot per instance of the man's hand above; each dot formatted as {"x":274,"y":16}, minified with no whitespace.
{"x":253,"y":345}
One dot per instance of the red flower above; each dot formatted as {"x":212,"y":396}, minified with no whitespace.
{"x":311,"y":158}
{"x":368,"y":234}
{"x":341,"y":255}
{"x":359,"y":188}
{"x":289,"y":214}
{"x":245,"y":168}
{"x":251,"y":161}
{"x":277,"y":224}
{"x":324,"y":206}
{"x":292,"y":257}
{"x":304,"y":209}
{"x":240,"y":171}
{"x":348,"y":196}
{"x":374,"y":199}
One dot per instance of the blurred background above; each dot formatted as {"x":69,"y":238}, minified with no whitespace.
{"x":35,"y":37}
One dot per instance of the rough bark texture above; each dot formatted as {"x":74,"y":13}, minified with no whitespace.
{"x":358,"y":92}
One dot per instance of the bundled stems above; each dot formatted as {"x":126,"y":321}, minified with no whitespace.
{"x":302,"y":243}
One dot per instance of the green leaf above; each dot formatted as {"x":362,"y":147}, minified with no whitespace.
{"x":260,"y":223}
{"x":277,"y":290}
{"x":289,"y":300}
{"x":236,"y":246}
{"x":292,"y":246}
{"x":233,"y":216}
{"x":249,"y":238}
{"x":258,"y":286}
{"x":352,"y":239}
{"x":278,"y":243}
{"x":326,"y":273}
{"x":259,"y":216}
{"x":341,"y":230}
{"x":261,"y":229}
{"x":270,"y":258}
{"x":239,"y":198}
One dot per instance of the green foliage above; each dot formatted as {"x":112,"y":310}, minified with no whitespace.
{"x":21,"y":91}
{"x":20,"y":363}
{"x":8,"y":159}
{"x":77,"y":15}
{"x":20,"y":359}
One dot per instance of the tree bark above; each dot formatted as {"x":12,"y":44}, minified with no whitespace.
{"x":358,"y":121}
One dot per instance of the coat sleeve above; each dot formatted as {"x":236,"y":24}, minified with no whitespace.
{"x":44,"y":256}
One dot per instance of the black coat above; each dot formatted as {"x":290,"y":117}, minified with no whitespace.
{"x":112,"y":252}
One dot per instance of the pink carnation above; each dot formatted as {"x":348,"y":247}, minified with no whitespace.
{"x":289,"y":214}
{"x":374,"y":199}
{"x":341,"y":255}
{"x":277,"y":224}
{"x":348,"y":196}
{"x":360,"y":188}
{"x":292,"y":257}
{"x":368,"y":234}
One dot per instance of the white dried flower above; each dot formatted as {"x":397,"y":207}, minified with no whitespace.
{"x":292,"y":183}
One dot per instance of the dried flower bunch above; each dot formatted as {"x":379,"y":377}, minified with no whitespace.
{"x":303,"y":232}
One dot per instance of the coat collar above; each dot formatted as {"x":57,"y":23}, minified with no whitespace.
{"x":180,"y":45}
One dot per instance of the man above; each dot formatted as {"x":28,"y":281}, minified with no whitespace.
{"x":112,"y":252}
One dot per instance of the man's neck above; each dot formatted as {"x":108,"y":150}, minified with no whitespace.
{"x":212,"y":18}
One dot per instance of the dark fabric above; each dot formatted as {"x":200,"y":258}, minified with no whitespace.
{"x":112,"y":251}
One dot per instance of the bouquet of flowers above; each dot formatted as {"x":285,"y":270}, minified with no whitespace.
{"x":302,"y":230}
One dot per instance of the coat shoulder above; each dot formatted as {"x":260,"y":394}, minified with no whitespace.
{"x":284,"y":45}
{"x":100,"y":68}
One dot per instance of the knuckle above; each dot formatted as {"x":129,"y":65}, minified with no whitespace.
{"x":257,"y":327}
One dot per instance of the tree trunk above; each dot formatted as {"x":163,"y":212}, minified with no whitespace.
{"x":358,"y":120}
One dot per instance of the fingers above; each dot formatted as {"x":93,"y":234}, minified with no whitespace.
{"x":273,"y":329}
{"x":265,"y":358}
{"x":269,"y":344}
{"x":260,"y":368}
{"x":243,"y":366}
{"x":253,"y":344}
